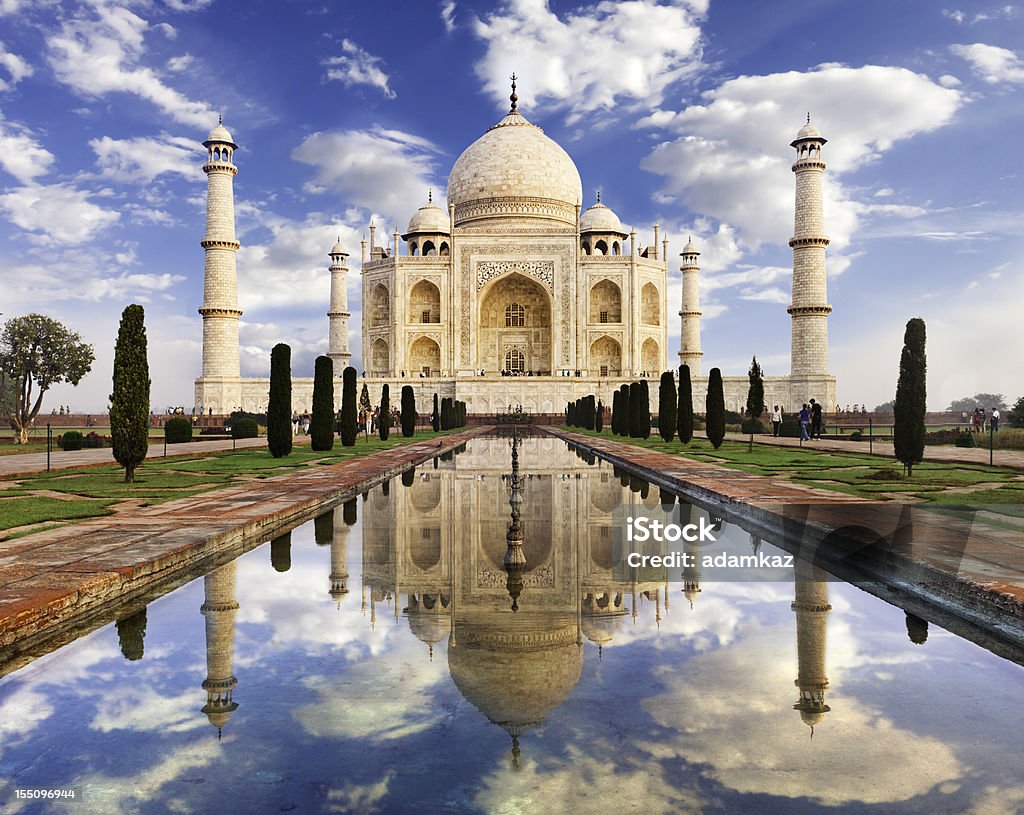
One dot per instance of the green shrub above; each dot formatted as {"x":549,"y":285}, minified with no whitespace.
{"x":244,"y":429}
{"x":856,"y":435}
{"x":733,"y":427}
{"x":753,"y":426}
{"x":1007,"y":439}
{"x":94,"y":441}
{"x":965,"y":438}
{"x":790,"y":427}
{"x":178,"y":429}
{"x":71,"y":440}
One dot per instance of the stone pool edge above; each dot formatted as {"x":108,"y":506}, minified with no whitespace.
{"x":116,"y":559}
{"x":990,"y":605}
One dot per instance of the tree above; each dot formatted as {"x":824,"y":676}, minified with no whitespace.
{"x":37,"y":352}
{"x":667,"y":406}
{"x":571,"y":420}
{"x":985,"y":401}
{"x":755,"y":393}
{"x":321,"y":422}
{"x":435,"y":416}
{"x":408,"y":411}
{"x":365,"y":405}
{"x":625,"y":424}
{"x":885,"y":407}
{"x":589,"y":412}
{"x":599,"y":417}
{"x":279,"y":404}
{"x":384,"y":415}
{"x":446,"y":413}
{"x":635,"y":420}
{"x":645,"y":410}
{"x":129,"y":402}
{"x":684,"y":408}
{"x":616,"y":411}
{"x":715,"y":409}
{"x":1016,"y":415}
{"x":911,"y":393}
{"x":349,"y":419}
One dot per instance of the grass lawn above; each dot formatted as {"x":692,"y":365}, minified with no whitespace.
{"x":15,"y":512}
{"x":862,"y":475}
{"x":159,"y":479}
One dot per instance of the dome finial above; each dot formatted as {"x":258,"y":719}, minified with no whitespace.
{"x":430,"y":195}
{"x":220,"y":118}
{"x":513,"y":97}
{"x":808,"y":117}
{"x":599,"y":195}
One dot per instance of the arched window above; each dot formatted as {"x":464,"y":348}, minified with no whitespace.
{"x":444,"y":250}
{"x":216,"y":154}
{"x":600,"y":248}
{"x":428,"y":248}
{"x":515,"y":360}
{"x":515,"y":316}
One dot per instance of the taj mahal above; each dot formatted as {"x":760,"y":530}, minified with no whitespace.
{"x":515,"y":295}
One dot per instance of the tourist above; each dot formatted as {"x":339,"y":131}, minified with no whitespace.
{"x":995,"y":419}
{"x":305,"y":423}
{"x":776,"y":421}
{"x":805,"y":420}
{"x":815,"y":420}
{"x":977,"y":420}
{"x":295,"y":423}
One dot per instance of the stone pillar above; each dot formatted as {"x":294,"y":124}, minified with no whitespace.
{"x":219,"y":387}
{"x":219,"y":609}
{"x":337,"y":343}
{"x":690,"y":352}
{"x":811,"y":605}
{"x":809,"y":308}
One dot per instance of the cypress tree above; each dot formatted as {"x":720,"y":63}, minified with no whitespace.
{"x":616,"y":411}
{"x":571,"y":421}
{"x":599,"y":417}
{"x":321,"y":422}
{"x":131,"y":634}
{"x":667,"y":406}
{"x":349,"y":419}
{"x":281,"y":552}
{"x":279,"y":404}
{"x":435,"y":417}
{"x":408,"y":411}
{"x":755,"y":393}
{"x":365,"y":405}
{"x":446,"y":413}
{"x":684,"y":407}
{"x":715,"y":409}
{"x":625,"y":425}
{"x":384,"y":418}
{"x":589,"y":411}
{"x":323,"y":528}
{"x":635,"y":422}
{"x":645,"y":410}
{"x":129,"y":403}
{"x":567,"y":413}
{"x":911,"y":394}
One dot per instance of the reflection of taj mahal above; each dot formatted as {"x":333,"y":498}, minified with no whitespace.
{"x":514,"y":294}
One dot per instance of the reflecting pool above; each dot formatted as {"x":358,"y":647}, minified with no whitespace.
{"x":371,"y":661}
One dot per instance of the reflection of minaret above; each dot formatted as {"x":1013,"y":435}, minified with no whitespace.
{"x":339,"y":557}
{"x":219,"y":609}
{"x":691,"y":551}
{"x":812,"y":607}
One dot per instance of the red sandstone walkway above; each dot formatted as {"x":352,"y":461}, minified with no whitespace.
{"x":976,"y":569}
{"x":1013,"y":459}
{"x":50,"y":578}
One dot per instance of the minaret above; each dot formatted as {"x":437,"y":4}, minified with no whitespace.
{"x":337,"y":343}
{"x":220,"y":287}
{"x":810,"y":602}
{"x":810,"y":308}
{"x":339,"y":557}
{"x":219,"y":609}
{"x":690,"y":313}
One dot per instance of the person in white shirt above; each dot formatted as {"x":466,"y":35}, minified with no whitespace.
{"x":994,"y":419}
{"x":776,"y":420}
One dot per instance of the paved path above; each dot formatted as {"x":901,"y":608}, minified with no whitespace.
{"x":24,"y":463}
{"x":972,"y":570}
{"x":1014,"y":459}
{"x":50,"y":578}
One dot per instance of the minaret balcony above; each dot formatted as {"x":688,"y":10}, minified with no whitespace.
{"x":810,"y":240}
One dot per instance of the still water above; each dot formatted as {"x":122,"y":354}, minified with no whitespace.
{"x":370,"y":661}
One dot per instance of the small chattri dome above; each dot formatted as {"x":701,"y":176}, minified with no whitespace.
{"x":807,"y":133}
{"x":338,"y":249}
{"x":690,"y":248}
{"x":429,"y":218}
{"x":220,"y":135}
{"x":600,"y":218}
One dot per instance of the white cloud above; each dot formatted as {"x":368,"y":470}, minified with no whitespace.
{"x":955,"y":15}
{"x":187,"y":5}
{"x":993,"y":64}
{"x":949,"y":81}
{"x":448,"y":15}
{"x":600,"y":57}
{"x":21,"y":155}
{"x":56,"y":213}
{"x":16,"y":67}
{"x":385,"y":171}
{"x":103,"y":55}
{"x":179,"y":64}
{"x":144,"y":159}
{"x":355,"y":66}
{"x":731,"y":160}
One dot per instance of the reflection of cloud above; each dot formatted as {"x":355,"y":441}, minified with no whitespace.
{"x":374,"y":702}
{"x":363,"y":798}
{"x":726,"y":709}
{"x":20,"y":714}
{"x":139,"y":709}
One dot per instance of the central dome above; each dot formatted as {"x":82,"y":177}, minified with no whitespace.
{"x":515,"y":170}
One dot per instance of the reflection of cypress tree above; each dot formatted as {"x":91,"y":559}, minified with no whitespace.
{"x":668,"y":499}
{"x":917,"y":629}
{"x":323,"y":528}
{"x":435,"y":462}
{"x":385,"y":487}
{"x":348,"y":512}
{"x":131,"y":633}
{"x":624,"y":478}
{"x":408,"y":477}
{"x":636,"y":483}
{"x":281,"y":552}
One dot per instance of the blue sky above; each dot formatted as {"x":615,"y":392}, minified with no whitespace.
{"x":681,"y":112}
